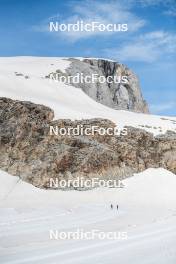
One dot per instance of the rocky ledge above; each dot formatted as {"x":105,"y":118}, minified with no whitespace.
{"x":121,"y":96}
{"x":29,"y":151}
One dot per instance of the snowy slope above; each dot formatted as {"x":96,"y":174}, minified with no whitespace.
{"x":147,"y":204}
{"x":147,"y":212}
{"x":66,"y":101}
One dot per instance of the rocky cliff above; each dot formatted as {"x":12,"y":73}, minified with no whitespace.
{"x":27,"y":149}
{"x":118,"y":95}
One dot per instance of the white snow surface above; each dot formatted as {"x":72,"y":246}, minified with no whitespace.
{"x":147,"y":203}
{"x":147,"y":212}
{"x":66,"y":101}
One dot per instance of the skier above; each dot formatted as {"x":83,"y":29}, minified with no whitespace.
{"x":117,"y":207}
{"x":111,"y":206}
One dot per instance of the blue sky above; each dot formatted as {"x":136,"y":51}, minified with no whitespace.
{"x":148,"y":47}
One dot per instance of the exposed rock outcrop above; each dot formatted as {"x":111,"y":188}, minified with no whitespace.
{"x":125,"y":96}
{"x":27,"y":149}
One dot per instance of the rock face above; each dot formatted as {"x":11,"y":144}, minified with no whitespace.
{"x":125,"y":96}
{"x":27,"y":149}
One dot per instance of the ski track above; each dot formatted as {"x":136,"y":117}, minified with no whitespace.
{"x":158,"y":238}
{"x":147,"y":212}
